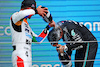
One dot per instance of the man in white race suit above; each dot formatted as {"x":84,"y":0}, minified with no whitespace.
{"x":22,"y":34}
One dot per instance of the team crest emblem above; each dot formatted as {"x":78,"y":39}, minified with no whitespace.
{"x":72,"y":33}
{"x":62,"y":21}
{"x":32,"y":5}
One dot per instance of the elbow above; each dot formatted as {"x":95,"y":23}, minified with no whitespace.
{"x":38,"y":42}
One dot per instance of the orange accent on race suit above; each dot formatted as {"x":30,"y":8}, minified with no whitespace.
{"x":18,"y":23}
{"x":25,"y":20}
{"x":20,"y":62}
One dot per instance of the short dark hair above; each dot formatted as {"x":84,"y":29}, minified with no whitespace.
{"x":54,"y":35}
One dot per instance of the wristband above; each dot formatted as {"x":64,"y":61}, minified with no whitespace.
{"x":36,"y":12}
{"x":48,"y":27}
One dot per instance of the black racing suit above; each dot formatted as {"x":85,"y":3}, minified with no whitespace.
{"x":76,"y":32}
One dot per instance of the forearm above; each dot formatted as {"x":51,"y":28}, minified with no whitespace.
{"x":78,"y":40}
{"x":76,"y":46}
{"x":26,"y":13}
{"x":42,"y":35}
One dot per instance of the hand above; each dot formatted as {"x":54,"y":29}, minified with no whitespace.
{"x":41,"y":11}
{"x":52,"y":24}
{"x":60,"y":48}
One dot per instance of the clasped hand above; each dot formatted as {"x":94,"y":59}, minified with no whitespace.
{"x":60,"y":48}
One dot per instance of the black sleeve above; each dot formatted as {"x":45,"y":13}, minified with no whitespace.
{"x":76,"y":38}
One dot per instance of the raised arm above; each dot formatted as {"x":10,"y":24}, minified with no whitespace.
{"x":22,"y":14}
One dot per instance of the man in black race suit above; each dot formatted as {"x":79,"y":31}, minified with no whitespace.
{"x":77,"y":37}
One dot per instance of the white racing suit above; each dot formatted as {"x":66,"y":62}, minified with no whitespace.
{"x":22,"y":37}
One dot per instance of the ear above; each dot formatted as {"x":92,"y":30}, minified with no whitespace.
{"x":61,"y":34}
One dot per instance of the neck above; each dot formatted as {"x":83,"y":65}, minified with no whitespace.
{"x":26,"y":8}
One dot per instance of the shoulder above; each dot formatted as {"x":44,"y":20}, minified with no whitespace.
{"x":65,"y":22}
{"x":14,"y":14}
{"x":30,"y":11}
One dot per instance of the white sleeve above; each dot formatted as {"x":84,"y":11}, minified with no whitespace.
{"x":22,"y":14}
{"x":34,"y":34}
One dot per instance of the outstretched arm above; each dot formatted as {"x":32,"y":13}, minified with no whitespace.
{"x":43,"y":34}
